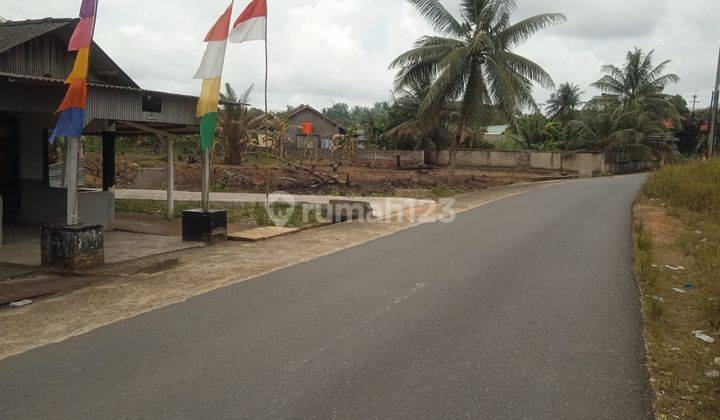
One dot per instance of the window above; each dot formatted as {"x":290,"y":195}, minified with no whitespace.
{"x":152,"y":104}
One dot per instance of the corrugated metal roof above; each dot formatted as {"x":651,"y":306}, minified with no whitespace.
{"x":304,"y":107}
{"x":14,"y":33}
{"x":497,"y":129}
{"x":60,"y":82}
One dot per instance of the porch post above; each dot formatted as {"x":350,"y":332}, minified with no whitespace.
{"x":108,"y":155}
{"x":170,"y":177}
{"x":71,"y":175}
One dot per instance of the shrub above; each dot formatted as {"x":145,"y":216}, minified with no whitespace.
{"x":694,"y":186}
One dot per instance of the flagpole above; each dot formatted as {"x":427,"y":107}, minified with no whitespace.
{"x":267,"y":168}
{"x":72,"y":157}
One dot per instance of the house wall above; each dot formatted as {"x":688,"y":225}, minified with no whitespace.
{"x":106,"y":103}
{"x":43,"y":205}
{"x":322,"y":128}
{"x":494,"y":138}
{"x":45,"y":56}
{"x":40,"y":203}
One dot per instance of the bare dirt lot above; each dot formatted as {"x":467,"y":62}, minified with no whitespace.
{"x":357,"y":178}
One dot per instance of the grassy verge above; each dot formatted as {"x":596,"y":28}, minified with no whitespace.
{"x":676,"y":238}
{"x":247,"y":215}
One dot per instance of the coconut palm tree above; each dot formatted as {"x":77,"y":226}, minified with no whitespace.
{"x":563,"y":103}
{"x":405,"y":123}
{"x":625,"y":130}
{"x":471,"y":61}
{"x":639,"y":80}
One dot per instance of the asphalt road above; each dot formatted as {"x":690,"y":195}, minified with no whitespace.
{"x":525,"y":308}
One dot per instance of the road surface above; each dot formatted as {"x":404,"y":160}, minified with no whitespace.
{"x":525,"y":308}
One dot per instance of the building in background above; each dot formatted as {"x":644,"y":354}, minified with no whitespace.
{"x":308,"y":128}
{"x":496,"y":133}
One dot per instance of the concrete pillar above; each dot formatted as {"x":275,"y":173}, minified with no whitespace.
{"x":108,"y":159}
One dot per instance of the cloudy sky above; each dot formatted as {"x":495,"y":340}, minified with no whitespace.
{"x":325,"y":51}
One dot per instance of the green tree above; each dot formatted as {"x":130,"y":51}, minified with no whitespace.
{"x":564,"y":102}
{"x":638,"y":80}
{"x":339,"y":112}
{"x":625,"y":132}
{"x":233,"y":119}
{"x":529,"y":131}
{"x":407,"y":128}
{"x":471,"y":62}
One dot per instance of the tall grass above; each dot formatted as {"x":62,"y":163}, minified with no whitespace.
{"x":694,"y":186}
{"x":694,"y":190}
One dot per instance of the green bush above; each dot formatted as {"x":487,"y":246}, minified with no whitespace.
{"x":694,"y":186}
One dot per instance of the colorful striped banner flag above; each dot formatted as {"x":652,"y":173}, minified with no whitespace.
{"x":210,"y":72}
{"x":71,"y":120}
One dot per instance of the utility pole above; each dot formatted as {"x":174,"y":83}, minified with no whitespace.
{"x":713,"y":112}
{"x":694,"y":101}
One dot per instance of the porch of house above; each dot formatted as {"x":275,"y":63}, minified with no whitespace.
{"x":21,"y":244}
{"x":32,"y":193}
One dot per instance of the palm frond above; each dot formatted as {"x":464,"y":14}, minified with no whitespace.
{"x":427,"y":49}
{"x":522,"y":31}
{"x":439,"y":17}
{"x":528,"y":68}
{"x":665,"y":80}
{"x":245,"y":97}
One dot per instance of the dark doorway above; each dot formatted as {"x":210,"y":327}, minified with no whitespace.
{"x":9,"y":168}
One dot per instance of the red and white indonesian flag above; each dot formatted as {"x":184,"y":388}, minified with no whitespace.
{"x":251,"y":25}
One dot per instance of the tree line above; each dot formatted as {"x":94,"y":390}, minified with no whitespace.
{"x":453,"y":84}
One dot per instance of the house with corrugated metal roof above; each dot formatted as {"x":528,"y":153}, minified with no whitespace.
{"x":496,"y":133}
{"x":309,"y":128}
{"x":34,"y":61}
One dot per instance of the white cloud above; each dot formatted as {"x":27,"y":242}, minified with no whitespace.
{"x":339,"y":50}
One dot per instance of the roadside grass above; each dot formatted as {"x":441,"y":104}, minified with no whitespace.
{"x":674,"y":227}
{"x":245,"y":215}
{"x":444,"y":191}
{"x":694,"y":186}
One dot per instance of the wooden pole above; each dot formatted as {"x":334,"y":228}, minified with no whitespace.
{"x":170,"y":178}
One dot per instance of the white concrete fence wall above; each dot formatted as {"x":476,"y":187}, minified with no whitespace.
{"x":573,"y":162}
{"x":581,"y":162}
{"x":407,"y":157}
